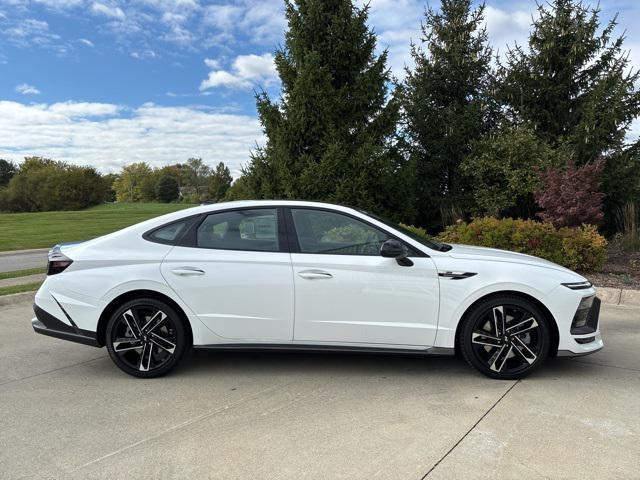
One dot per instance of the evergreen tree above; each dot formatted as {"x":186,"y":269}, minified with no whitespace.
{"x":573,"y":83}
{"x":167,"y":189}
{"x":219,"y":182}
{"x":7,"y":171}
{"x":446,"y":104}
{"x":330,"y":135}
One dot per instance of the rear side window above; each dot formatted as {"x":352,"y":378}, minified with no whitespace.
{"x":168,"y":234}
{"x":255,"y":230}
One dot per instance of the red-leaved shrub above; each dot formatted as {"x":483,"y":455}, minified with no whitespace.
{"x":571,"y":196}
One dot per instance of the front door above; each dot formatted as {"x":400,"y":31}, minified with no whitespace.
{"x":346,"y":292}
{"x":237,"y":277}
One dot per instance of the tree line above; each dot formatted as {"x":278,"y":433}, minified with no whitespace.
{"x":41,"y":184}
{"x":537,"y":132}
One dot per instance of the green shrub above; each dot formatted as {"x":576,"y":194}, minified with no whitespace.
{"x":421,"y":232}
{"x":581,"y":248}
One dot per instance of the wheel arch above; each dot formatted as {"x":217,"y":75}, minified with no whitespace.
{"x":132,"y":295}
{"x":555,"y":335}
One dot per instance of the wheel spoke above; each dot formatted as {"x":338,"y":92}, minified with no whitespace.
{"x":498,"y":320}
{"x":484,"y":339}
{"x":497,"y":361}
{"x":125,"y":344}
{"x":154,"y":322}
{"x":524,"y":326}
{"x":524,"y":351}
{"x":132,"y":322}
{"x":143,"y":365}
{"x":163,"y":343}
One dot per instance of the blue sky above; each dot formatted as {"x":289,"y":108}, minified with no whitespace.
{"x":108,"y":82}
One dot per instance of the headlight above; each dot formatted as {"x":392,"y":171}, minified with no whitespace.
{"x":578,"y":285}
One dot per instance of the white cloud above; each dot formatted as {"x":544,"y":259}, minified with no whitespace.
{"x":60,"y":4}
{"x":213,"y":63}
{"x":108,"y":11}
{"x":507,"y":27}
{"x":83,"y":109}
{"x":107,"y":136}
{"x":145,"y":54}
{"x":26,"y":89}
{"x":86,"y":42}
{"x":246,"y":71}
{"x":30,"y":31}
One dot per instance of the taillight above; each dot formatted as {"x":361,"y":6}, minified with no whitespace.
{"x":58,"y":262}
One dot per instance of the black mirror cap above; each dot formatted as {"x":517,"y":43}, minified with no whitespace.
{"x":393,"y":249}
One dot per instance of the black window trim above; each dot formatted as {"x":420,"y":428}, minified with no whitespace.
{"x":294,"y":245}
{"x":189,"y":238}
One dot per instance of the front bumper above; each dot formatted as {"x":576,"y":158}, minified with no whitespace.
{"x":586,"y":339}
{"x":47,"y":324}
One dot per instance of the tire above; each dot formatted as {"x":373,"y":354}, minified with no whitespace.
{"x":509,"y":350}
{"x":146,"y":338}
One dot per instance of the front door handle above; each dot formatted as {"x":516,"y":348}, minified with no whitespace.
{"x":313,"y":274}
{"x":187,"y":271}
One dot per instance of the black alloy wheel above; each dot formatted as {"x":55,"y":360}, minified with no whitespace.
{"x":505,"y":337}
{"x":146,"y":338}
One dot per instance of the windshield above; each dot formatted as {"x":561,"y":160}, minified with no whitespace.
{"x":441,"y":247}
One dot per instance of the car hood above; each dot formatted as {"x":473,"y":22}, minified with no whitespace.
{"x":493,"y":254}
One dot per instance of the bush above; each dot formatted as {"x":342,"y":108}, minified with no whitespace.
{"x":580,"y":248}
{"x":42,"y":184}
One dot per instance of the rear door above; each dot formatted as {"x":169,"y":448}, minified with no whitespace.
{"x":236,"y":276}
{"x":345,"y":292}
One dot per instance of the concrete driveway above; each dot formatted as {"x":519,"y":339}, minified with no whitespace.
{"x":67,"y":412}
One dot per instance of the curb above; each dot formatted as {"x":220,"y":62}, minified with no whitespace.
{"x":19,"y":252}
{"x":619,"y":296}
{"x":6,"y":300}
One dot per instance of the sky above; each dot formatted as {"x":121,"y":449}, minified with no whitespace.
{"x":110,"y":82}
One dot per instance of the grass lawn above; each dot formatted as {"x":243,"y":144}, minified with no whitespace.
{"x":28,"y":287}
{"x":20,"y":231}
{"x":21,"y":273}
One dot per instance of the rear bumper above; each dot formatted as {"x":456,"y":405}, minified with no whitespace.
{"x":47,"y":324}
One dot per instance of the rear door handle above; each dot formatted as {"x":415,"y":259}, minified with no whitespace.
{"x":187,"y":271}
{"x":313,"y":274}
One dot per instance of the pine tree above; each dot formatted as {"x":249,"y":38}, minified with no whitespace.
{"x":330,"y":137}
{"x":573,"y":83}
{"x":446,"y":104}
{"x":219,"y":182}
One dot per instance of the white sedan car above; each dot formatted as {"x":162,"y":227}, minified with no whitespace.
{"x":309,"y":276}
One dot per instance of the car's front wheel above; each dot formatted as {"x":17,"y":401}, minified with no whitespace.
{"x":505,"y":337}
{"x":146,"y":338}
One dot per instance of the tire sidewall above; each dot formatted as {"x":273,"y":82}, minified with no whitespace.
{"x":181,"y":336}
{"x":470,"y":320}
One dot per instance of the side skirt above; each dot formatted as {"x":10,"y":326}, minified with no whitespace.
{"x":292,"y":347}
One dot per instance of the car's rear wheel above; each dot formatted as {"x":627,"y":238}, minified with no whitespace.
{"x":505,"y":337}
{"x":146,"y":338}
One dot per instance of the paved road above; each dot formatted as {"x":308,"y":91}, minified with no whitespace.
{"x":67,"y":412}
{"x":23,"y":260}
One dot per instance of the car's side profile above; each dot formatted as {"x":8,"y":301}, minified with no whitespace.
{"x":306,"y":275}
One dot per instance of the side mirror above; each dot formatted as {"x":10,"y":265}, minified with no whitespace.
{"x":396,"y":249}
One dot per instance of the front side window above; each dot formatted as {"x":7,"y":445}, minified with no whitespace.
{"x":326,"y":232}
{"x":240,"y":230}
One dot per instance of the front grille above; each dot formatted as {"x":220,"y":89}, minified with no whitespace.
{"x":585,"y":320}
